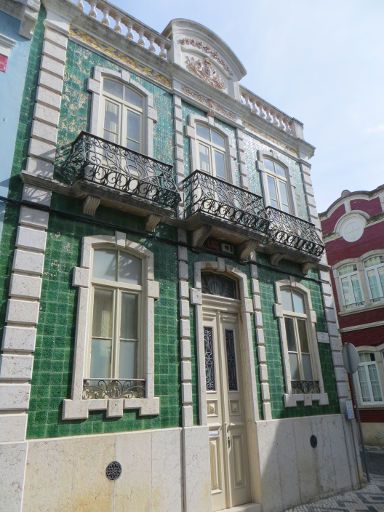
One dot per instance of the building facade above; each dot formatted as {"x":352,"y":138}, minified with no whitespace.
{"x":170,"y":341}
{"x":353,"y":228}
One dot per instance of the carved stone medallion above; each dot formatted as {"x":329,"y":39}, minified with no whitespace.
{"x":204,"y":69}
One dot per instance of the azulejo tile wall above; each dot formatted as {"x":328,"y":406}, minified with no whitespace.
{"x":267,"y":277}
{"x":53,"y":365}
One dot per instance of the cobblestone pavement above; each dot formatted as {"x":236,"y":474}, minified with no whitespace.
{"x":368,"y":499}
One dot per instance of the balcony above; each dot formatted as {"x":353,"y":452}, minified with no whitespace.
{"x":102,"y":171}
{"x":216,"y":208}
{"x":292,"y":237}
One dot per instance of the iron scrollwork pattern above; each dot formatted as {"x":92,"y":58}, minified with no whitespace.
{"x":305,"y":386}
{"x":113,"y":388}
{"x":216,"y":284}
{"x":213,"y":196}
{"x":209,"y":359}
{"x":101,"y":162}
{"x":290,"y":231}
{"x":231,"y":360}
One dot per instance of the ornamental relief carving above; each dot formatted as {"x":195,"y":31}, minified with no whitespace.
{"x":206,"y":49}
{"x":204,"y":69}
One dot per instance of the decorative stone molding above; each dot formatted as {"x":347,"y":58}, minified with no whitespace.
{"x":6,"y":45}
{"x":291,"y":399}
{"x":204,"y":69}
{"x":77,"y":407}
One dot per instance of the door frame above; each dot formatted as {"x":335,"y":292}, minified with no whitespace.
{"x":245,"y":312}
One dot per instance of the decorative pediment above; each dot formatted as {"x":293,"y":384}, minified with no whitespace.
{"x":203,"y":54}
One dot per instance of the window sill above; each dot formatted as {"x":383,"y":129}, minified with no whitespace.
{"x":79,"y":409}
{"x":371,"y":405}
{"x":292,"y":400}
{"x":364,"y":307}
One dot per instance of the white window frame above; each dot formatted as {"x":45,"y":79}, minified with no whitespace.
{"x":212,"y":147}
{"x":264,"y":181}
{"x":291,"y":399}
{"x":230,"y":153}
{"x":76,"y":407}
{"x":375,"y":268}
{"x":339,"y":278}
{"x":149,"y":117}
{"x":379,"y":363}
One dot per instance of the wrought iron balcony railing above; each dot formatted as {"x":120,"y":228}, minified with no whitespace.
{"x":96,"y":160}
{"x":305,"y":386}
{"x":294,"y":233}
{"x":113,"y":388}
{"x":215,"y":197}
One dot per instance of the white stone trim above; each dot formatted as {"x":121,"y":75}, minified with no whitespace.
{"x":291,"y":399}
{"x":95,"y":87}
{"x":76,"y":407}
{"x":6,"y":45}
{"x":248,"y":363}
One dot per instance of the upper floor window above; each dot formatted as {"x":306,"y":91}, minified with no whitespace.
{"x":123,"y":115}
{"x":295,"y":320}
{"x":350,"y":285}
{"x":115,"y":346}
{"x":277,"y":183}
{"x":211,"y":151}
{"x":374,"y":270}
{"x":370,"y":389}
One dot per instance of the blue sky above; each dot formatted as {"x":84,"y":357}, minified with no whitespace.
{"x":321,"y":61}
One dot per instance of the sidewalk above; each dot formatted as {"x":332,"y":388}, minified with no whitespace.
{"x":368,"y":499}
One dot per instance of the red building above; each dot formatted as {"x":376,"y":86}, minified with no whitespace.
{"x":353,"y":230}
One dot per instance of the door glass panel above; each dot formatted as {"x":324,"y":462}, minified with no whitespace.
{"x":231,"y":360}
{"x":114,"y":88}
{"x":133,"y":130}
{"x":220,"y":164}
{"x":218,"y":139}
{"x":293,"y":363}
{"x":283,"y":196}
{"x":133,"y":97}
{"x":209,"y":359}
{"x":129,"y":316}
{"x":272,"y":192}
{"x":202,"y":131}
{"x":127,"y":360}
{"x":101,"y":359}
{"x":129,"y":269}
{"x":102,"y":314}
{"x":291,"y":341}
{"x":111,"y":121}
{"x":104,"y":265}
{"x":204,"y":158}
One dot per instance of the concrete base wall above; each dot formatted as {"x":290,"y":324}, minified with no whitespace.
{"x":373,"y":434}
{"x":292,"y":472}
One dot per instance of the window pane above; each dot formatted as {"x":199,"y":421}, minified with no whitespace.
{"x":346,"y":288}
{"x":113,"y":87}
{"x":286,"y":298}
{"x":364,"y":388}
{"x":283,"y":196}
{"x":133,"y":126}
{"x":133,"y":97}
{"x":129,"y":269}
{"x":372,"y":370}
{"x":102,"y":314}
{"x":372,"y":261}
{"x":289,"y":329}
{"x":101,"y":359}
{"x":298,"y":303}
{"x":356,"y":289}
{"x":129,"y":316}
{"x":220,"y":164}
{"x":272,"y":192}
{"x":134,"y":146}
{"x":374,"y":285}
{"x":202,"y":131}
{"x":280,"y":170}
{"x":303,"y":336}
{"x":365,"y":357}
{"x":128,"y":360}
{"x":347,"y":269}
{"x":381,"y":278}
{"x":307,"y":369}
{"x":204,"y":158}
{"x":218,"y":139}
{"x":294,"y":366}
{"x":268,"y":164}
{"x":104,"y":264}
{"x":111,"y":120}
